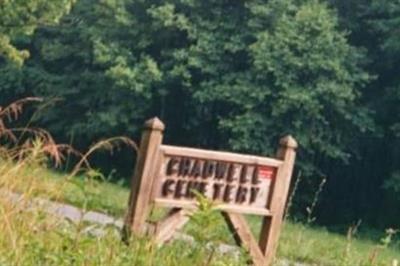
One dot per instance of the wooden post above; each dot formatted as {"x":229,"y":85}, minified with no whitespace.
{"x":271,"y":226}
{"x":142,"y":181}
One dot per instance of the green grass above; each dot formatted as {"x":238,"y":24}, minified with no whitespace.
{"x":81,"y":191}
{"x":299,"y":242}
{"x":31,"y":236}
{"x":39,"y":240}
{"x":319,"y":246}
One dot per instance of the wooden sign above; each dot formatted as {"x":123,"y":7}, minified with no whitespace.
{"x":238,"y":184}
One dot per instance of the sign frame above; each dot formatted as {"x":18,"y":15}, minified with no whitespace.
{"x":144,"y":185}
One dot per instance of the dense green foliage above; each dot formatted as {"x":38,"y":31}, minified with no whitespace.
{"x":19,"y":19}
{"x":233,"y":75}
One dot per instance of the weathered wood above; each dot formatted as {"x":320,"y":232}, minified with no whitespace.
{"x":244,"y":237}
{"x":220,"y":156}
{"x":271,"y":226}
{"x":174,"y":221}
{"x":192,"y":205}
{"x":236,"y":183}
{"x":243,"y":185}
{"x":142,"y":181}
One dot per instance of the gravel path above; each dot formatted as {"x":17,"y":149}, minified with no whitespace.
{"x":66,"y":211}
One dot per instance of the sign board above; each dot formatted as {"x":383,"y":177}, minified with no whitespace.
{"x":234,"y":182}
{"x":238,"y":184}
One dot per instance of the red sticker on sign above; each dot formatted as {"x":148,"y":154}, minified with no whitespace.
{"x":266,"y":172}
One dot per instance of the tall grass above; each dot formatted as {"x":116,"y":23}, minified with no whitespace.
{"x":30,"y":235}
{"x":299,"y":243}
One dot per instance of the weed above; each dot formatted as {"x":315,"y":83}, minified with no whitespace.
{"x":310,"y":209}
{"x":29,"y":235}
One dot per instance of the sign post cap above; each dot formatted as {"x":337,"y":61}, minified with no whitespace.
{"x":288,"y":141}
{"x":155,"y":124}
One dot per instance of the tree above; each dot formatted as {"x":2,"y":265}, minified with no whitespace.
{"x":221,"y":74}
{"x":373,"y":28}
{"x":383,"y":18}
{"x":21,"y":18}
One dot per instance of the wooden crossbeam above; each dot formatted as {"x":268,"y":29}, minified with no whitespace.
{"x":244,"y":237}
{"x":174,"y":221}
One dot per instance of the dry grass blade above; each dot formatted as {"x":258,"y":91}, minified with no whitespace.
{"x":15,"y":109}
{"x":26,"y":139}
{"x":6,"y":133}
{"x":108,"y":144}
{"x":11,"y":113}
{"x":38,"y":136}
